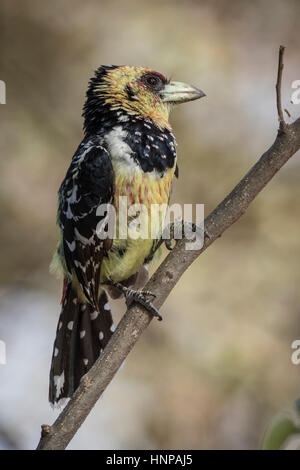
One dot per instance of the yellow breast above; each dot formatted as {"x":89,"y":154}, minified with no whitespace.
{"x":146,"y":190}
{"x":152,"y":192}
{"x":143,"y":188}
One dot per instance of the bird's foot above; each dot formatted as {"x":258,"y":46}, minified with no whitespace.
{"x":140,"y":297}
{"x":181,"y":230}
{"x":171,"y":234}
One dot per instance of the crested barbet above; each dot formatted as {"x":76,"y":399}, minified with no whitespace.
{"x":128,"y":150}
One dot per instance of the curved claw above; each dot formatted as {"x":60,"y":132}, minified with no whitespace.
{"x":140,"y":297}
{"x":153,"y":310}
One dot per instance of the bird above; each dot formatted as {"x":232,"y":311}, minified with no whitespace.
{"x":128,"y":151}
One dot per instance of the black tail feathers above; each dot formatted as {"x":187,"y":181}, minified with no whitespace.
{"x":81,"y":335}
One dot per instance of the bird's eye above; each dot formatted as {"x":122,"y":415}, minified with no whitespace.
{"x":153,"y":81}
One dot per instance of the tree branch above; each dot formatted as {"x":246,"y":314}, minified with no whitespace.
{"x":282,"y":123}
{"x":136,"y":319}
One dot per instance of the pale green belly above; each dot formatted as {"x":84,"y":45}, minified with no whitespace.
{"x":125,"y":259}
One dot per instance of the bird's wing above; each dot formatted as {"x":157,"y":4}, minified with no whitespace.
{"x":89,"y":183}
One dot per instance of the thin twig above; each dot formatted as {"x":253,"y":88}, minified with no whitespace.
{"x":136,"y":319}
{"x":282,"y":123}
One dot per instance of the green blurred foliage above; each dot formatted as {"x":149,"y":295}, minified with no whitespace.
{"x":281,"y":428}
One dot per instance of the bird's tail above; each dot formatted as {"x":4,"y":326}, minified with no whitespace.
{"x":81,"y":335}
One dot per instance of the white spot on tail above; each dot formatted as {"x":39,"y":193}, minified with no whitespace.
{"x":101,"y":335}
{"x":94,"y":315}
{"x":85,"y":361}
{"x":106,"y":306}
{"x":70,"y":325}
{"x":112,"y":328}
{"x":60,"y":403}
{"x":55,"y":352}
{"x":82,"y":334}
{"x":59,"y":381}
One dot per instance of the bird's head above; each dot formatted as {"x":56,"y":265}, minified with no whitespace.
{"x":117,"y":92}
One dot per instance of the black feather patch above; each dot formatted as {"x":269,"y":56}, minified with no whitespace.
{"x":152,"y":148}
{"x":88,"y":184}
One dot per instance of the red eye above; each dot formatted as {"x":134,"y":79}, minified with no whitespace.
{"x":154,"y":81}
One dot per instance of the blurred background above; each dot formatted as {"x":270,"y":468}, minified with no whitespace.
{"x":217,"y":369}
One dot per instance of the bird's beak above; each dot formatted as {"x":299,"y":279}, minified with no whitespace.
{"x":178,"y":92}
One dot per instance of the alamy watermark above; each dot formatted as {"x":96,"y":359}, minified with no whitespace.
{"x":295,"y":98}
{"x":295,"y":358}
{"x":2,"y":92}
{"x":152,"y":221}
{"x":2,"y":352}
